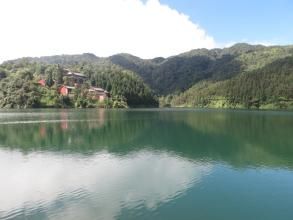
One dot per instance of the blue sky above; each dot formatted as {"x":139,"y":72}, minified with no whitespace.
{"x":268,"y":21}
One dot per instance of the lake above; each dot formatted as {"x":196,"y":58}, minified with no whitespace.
{"x":146,"y":164}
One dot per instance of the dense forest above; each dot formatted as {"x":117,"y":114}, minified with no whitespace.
{"x":19,"y":87}
{"x":241,"y":76}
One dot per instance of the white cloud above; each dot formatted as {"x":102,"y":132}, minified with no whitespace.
{"x":104,"y":27}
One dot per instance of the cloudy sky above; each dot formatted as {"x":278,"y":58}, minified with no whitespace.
{"x":146,"y":28}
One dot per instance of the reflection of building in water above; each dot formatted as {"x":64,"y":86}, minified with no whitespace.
{"x":102,"y":115}
{"x":98,"y":119}
{"x":43,"y":131}
{"x":64,"y":120}
{"x":93,"y":119}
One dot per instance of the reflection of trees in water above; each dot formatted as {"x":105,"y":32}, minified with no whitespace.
{"x":91,"y":131}
{"x":238,"y":138}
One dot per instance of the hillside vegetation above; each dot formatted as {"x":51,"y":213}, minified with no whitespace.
{"x":19,"y":87}
{"x":241,"y":76}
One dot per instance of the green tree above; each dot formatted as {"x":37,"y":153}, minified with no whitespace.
{"x":49,"y":78}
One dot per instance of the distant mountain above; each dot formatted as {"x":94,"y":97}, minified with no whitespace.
{"x":178,"y":73}
{"x":235,"y":75}
{"x":268,"y":87}
{"x":65,"y":60}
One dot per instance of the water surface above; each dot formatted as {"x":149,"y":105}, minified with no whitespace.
{"x":146,"y":164}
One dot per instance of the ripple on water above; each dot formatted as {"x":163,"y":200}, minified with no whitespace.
{"x":102,"y":184}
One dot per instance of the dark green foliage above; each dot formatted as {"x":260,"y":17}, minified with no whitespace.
{"x":49,"y":78}
{"x":178,"y":73}
{"x":19,"y":91}
{"x":271,"y":84}
{"x":268,"y":87}
{"x":3,"y":73}
{"x":120,"y":83}
{"x":58,"y":74}
{"x":20,"y":88}
{"x":242,"y":76}
{"x":54,"y":75}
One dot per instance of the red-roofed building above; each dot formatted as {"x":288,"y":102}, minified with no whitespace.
{"x":66,"y":90}
{"x":42,"y":82}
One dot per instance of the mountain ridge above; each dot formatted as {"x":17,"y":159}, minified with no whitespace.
{"x":176,"y":75}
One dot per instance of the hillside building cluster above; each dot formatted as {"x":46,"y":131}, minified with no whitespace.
{"x":73,"y":81}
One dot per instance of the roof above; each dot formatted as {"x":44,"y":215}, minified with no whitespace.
{"x":97,"y":89}
{"x":68,"y":87}
{"x":69,"y":73}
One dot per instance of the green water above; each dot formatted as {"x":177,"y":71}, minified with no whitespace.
{"x":146,"y":164}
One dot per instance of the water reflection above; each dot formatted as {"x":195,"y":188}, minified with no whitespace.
{"x":238,"y":138}
{"x":89,"y":164}
{"x":99,"y":186}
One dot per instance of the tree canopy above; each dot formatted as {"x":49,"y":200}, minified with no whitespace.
{"x":244,"y":76}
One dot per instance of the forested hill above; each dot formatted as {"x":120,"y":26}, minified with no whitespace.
{"x":19,"y":87}
{"x":178,"y":73}
{"x":242,"y":76}
{"x":239,"y":76}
